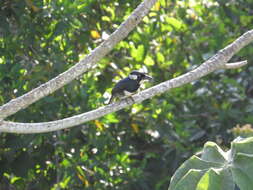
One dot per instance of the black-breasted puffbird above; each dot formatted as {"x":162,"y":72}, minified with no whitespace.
{"x":128,"y":85}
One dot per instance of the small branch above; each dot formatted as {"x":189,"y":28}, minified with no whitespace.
{"x":218,"y":61}
{"x":85,"y":64}
{"x":235,"y":65}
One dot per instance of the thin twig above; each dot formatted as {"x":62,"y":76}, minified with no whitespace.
{"x":235,"y":65}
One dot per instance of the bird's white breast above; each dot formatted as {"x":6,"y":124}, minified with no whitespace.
{"x":126,"y":93}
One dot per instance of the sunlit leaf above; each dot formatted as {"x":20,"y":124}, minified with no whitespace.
{"x":149,"y":61}
{"x":135,"y":128}
{"x":94,"y":34}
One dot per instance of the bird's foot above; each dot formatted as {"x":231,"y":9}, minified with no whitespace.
{"x":129,"y":98}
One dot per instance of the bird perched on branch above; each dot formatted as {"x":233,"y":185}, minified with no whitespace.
{"x":128,"y":85}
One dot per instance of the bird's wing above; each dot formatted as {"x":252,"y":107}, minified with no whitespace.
{"x":121,"y":85}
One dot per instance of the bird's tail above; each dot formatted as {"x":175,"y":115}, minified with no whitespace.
{"x":111,"y":99}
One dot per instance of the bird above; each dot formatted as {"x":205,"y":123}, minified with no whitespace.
{"x":128,"y":85}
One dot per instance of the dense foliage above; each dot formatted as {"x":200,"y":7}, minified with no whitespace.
{"x":139,"y":147}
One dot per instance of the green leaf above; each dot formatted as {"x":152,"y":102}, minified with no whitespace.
{"x":65,"y":182}
{"x":137,"y":53}
{"x":160,"y":57}
{"x":177,"y":24}
{"x":221,"y":170}
{"x":213,"y":153}
{"x":193,"y":163}
{"x":111,"y":118}
{"x":149,"y":61}
{"x":242,"y":145}
{"x":15,"y":179}
{"x":189,"y":180}
{"x":209,"y":180}
{"x":216,"y":179}
{"x":243,"y":170}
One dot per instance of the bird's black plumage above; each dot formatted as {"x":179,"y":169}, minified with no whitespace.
{"x":129,"y":84}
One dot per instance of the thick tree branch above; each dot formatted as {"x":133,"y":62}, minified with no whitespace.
{"x":218,"y":61}
{"x":85,"y":64}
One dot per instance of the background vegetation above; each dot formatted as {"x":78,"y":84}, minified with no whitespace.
{"x":139,"y":147}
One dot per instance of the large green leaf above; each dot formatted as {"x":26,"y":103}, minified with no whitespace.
{"x":217,"y":170}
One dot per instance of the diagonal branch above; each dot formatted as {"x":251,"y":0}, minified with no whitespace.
{"x":218,"y":61}
{"x":85,"y":64}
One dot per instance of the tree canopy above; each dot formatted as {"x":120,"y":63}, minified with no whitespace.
{"x":138,"y":147}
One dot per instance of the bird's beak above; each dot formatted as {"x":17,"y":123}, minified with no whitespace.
{"x":148,"y":78}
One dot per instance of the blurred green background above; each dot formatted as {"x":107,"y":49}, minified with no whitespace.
{"x":137,"y":148}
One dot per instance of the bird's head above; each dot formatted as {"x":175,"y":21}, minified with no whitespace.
{"x":139,"y":76}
